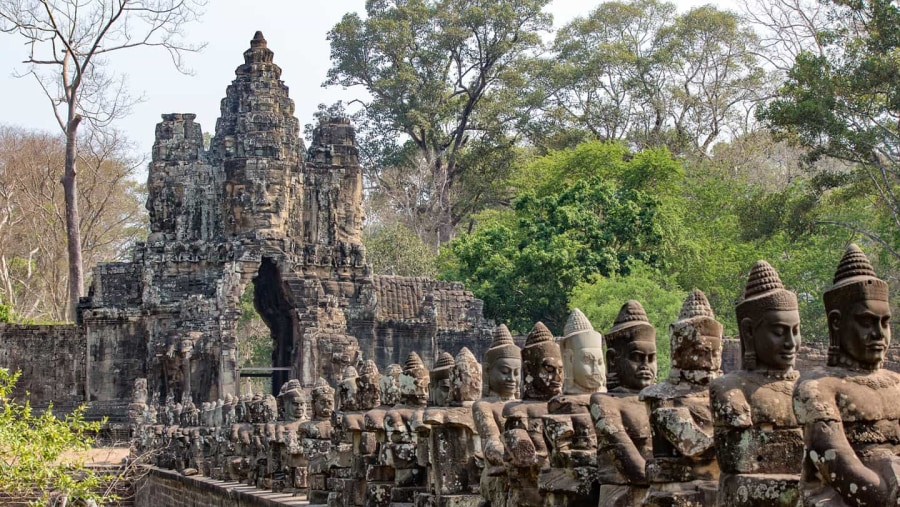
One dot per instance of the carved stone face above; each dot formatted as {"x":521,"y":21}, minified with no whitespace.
{"x":466,"y":379}
{"x":865,"y":331}
{"x":295,"y":405}
{"x":776,"y":338}
{"x":390,"y":385}
{"x":442,"y":392}
{"x":694,"y":349}
{"x":588,"y":370}
{"x":545,"y":377}
{"x":323,"y":406}
{"x":636,"y":365}
{"x":414,"y":388}
{"x":504,"y":375}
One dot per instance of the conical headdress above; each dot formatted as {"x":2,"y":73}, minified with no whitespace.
{"x":322,"y":388}
{"x":630,"y":325}
{"x":443,"y":366}
{"x":764,"y":291}
{"x":503,"y":346}
{"x":696,"y":305}
{"x":539,"y":343}
{"x":414,"y":365}
{"x":576,"y":323}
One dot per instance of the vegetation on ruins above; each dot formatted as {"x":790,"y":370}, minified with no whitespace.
{"x":68,"y":48}
{"x":39,"y":452}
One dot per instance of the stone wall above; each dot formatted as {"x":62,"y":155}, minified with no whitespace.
{"x":51,"y":359}
{"x":172,"y":489}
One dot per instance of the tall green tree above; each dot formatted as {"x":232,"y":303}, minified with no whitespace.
{"x":843,"y":101}
{"x":435,"y":71}
{"x":586,"y":215}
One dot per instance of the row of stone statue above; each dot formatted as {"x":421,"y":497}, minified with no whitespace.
{"x":548,"y":427}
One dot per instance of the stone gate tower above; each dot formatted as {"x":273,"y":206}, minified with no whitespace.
{"x":257,"y":207}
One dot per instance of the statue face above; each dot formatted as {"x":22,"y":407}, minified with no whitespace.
{"x":637,"y":365}
{"x":776,"y":338}
{"x":294,"y":406}
{"x":323,"y":406}
{"x":466,"y":381}
{"x":865,"y":331}
{"x":547,"y":380}
{"x":588,"y":370}
{"x":503,"y":378}
{"x":442,"y":392}
{"x":414,"y":389}
{"x":698,"y":352}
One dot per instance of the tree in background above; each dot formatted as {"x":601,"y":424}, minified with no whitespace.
{"x":442,"y":75}
{"x":637,"y":71}
{"x":841,"y":100}
{"x":394,"y":249}
{"x":68,"y":43}
{"x":33,"y":261}
{"x":583,"y":212}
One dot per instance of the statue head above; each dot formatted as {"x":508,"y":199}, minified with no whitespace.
{"x":465,"y":377}
{"x":768,"y":321}
{"x":502,"y":365}
{"x":390,"y":384}
{"x":368,"y":386}
{"x":542,"y":365}
{"x":294,"y":401}
{"x":269,"y":409}
{"x":347,"y":389}
{"x":859,"y":315}
{"x":696,"y":339}
{"x":631,"y":348}
{"x":582,"y":352}
{"x":440,"y":387}
{"x":414,"y":381}
{"x":323,"y":399}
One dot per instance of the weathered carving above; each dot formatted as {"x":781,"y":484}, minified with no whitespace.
{"x":758,"y":442}
{"x":848,"y":409}
{"x":620,"y":417}
{"x":683,"y":467}
{"x":526,"y":451}
{"x":502,"y":374}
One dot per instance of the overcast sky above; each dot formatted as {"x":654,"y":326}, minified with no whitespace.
{"x":295,"y":30}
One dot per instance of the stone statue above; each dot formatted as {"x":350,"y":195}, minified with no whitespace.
{"x":440,"y":387}
{"x":683,"y":467}
{"x":526,"y":451}
{"x":571,"y":478}
{"x":401,"y":425}
{"x":502,"y":373}
{"x":850,"y":409}
{"x":346,"y":391}
{"x":368,"y":385}
{"x":315,"y":437}
{"x":466,"y":379}
{"x":758,"y":442}
{"x":390,"y":385}
{"x":452,"y":441}
{"x":286,"y":449}
{"x":620,"y":417}
{"x":582,"y":350}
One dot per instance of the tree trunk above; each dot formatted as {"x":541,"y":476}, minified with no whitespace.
{"x":73,"y":227}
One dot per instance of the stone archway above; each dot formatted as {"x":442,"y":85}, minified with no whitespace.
{"x":273,"y":306}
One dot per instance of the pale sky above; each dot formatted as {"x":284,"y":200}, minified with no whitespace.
{"x":295,"y":30}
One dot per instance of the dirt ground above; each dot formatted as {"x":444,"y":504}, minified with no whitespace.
{"x":101,"y":455}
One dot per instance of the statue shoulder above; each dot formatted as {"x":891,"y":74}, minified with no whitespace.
{"x":814,"y":396}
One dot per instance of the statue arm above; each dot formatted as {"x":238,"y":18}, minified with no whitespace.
{"x":680,"y":428}
{"x":838,"y":464}
{"x":613,"y":438}
{"x":489,"y":431}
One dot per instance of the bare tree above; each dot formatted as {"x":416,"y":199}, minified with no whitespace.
{"x":67,"y":43}
{"x":33,"y":262}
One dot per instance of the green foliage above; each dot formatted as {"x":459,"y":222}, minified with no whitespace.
{"x":844,"y":102}
{"x":5,"y":314}
{"x":600,"y":298}
{"x":396,"y":250}
{"x":38,"y":452}
{"x":254,"y":341}
{"x":579,"y":218}
{"x":441,"y":76}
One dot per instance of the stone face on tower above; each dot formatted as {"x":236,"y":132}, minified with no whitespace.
{"x":258,"y":207}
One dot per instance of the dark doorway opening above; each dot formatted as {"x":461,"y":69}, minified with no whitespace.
{"x":272,"y":305}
